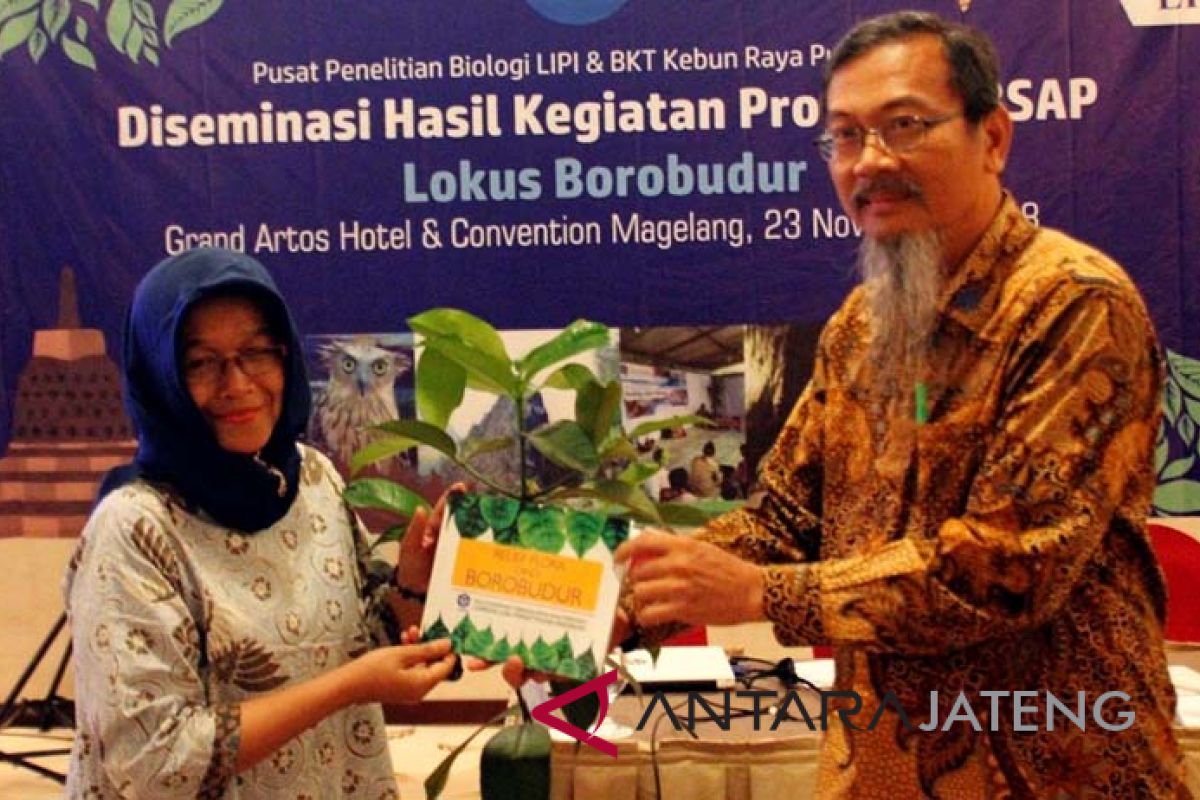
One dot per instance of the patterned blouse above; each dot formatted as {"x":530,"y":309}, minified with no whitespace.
{"x":1000,"y":546}
{"x":176,"y":620}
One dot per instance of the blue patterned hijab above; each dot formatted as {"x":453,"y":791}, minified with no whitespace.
{"x":176,"y":446}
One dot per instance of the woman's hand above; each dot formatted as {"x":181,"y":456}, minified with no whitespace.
{"x":402,"y":674}
{"x":415,"y":562}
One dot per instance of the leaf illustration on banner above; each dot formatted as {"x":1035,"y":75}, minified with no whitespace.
{"x":1177,"y":498}
{"x":78,"y":52}
{"x":1177,"y":468}
{"x":11,"y":8}
{"x":55,"y":14}
{"x":118,"y":22}
{"x":183,"y":15}
{"x":17,"y":30}
{"x":37,"y":45}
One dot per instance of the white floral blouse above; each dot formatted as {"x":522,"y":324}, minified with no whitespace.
{"x":176,"y":620}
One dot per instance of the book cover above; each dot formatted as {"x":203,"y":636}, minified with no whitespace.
{"x":534,"y":581}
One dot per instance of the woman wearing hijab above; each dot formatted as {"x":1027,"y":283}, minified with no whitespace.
{"x":222,"y":614}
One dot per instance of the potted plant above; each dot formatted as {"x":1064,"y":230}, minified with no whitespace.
{"x":598,"y":467}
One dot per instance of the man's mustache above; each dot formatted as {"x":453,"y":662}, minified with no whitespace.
{"x":886,"y":185}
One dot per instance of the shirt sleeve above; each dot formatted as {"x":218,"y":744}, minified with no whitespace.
{"x":139,"y":692}
{"x":1071,"y":447}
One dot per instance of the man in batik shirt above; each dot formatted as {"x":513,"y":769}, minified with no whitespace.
{"x":958,"y":500}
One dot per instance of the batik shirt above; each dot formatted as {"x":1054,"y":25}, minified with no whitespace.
{"x":177,"y":620}
{"x":1000,"y":546}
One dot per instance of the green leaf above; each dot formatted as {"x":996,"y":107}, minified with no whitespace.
{"x":479,"y":643}
{"x":639,"y":472}
{"x":462,"y":325}
{"x":37,"y":45}
{"x":435,"y":784}
{"x":484,"y":371}
{"x":1177,"y":468}
{"x":55,"y":14}
{"x":543,"y":655}
{"x":499,"y":651}
{"x":578,"y":337}
{"x":614,"y":532}
{"x":117,"y":23}
{"x":1179,"y":497}
{"x":183,"y":15}
{"x":510,"y":535}
{"x":477,"y":447}
{"x":78,"y":53}
{"x":563,"y":648}
{"x":441,"y":384}
{"x":617,"y":446}
{"x":684,"y":515}
{"x":617,"y":493}
{"x":542,"y":529}
{"x":499,"y":512}
{"x":462,"y":631}
{"x":570,"y":376}
{"x":11,"y":8}
{"x":395,"y":533}
{"x":597,"y":408}
{"x":587,"y":665}
{"x":381,"y":448}
{"x":473,"y":344}
{"x":437,"y":630}
{"x":568,"y":445}
{"x":583,"y":530}
{"x":384,"y":494}
{"x":418,"y":432}
{"x":468,"y":516}
{"x":17,"y":30}
{"x":651,"y":426}
{"x":81,"y":29}
{"x":583,"y":711}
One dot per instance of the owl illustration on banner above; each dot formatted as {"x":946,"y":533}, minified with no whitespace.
{"x":360,"y":393}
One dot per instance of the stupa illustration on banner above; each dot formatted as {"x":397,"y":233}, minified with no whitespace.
{"x":69,"y":428}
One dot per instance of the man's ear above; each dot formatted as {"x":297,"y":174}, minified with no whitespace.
{"x":998,"y":132}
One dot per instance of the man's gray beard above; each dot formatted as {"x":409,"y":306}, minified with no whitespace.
{"x":902,"y":277}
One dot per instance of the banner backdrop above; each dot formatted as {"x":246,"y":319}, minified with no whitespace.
{"x":535,"y":161}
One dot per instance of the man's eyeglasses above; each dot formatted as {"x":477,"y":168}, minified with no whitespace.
{"x":252,"y":361}
{"x":897,"y":135}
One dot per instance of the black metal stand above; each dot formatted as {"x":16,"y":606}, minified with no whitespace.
{"x":51,"y":711}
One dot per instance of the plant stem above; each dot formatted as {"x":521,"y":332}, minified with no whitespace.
{"x":521,"y":445}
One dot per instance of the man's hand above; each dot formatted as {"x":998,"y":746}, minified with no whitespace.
{"x":415,"y":562}
{"x":680,"y":579}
